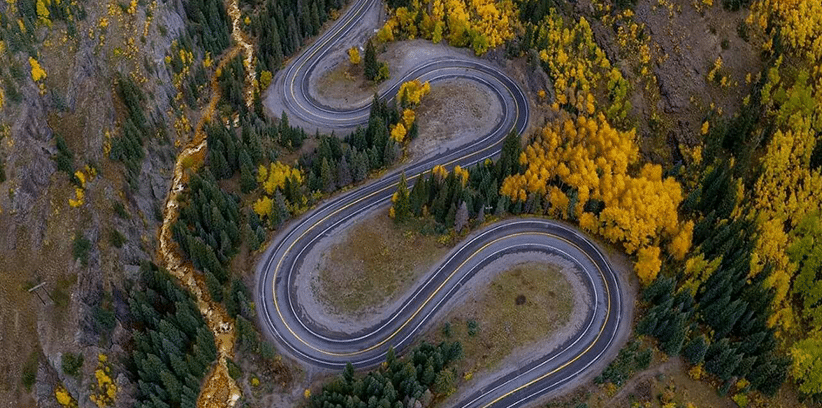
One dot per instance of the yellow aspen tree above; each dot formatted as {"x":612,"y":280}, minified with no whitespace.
{"x":398,"y":133}
{"x":263,"y":206}
{"x":647,"y":264}
{"x":354,"y":55}
{"x":408,"y":117}
{"x":265,"y":79}
{"x":37,"y":72}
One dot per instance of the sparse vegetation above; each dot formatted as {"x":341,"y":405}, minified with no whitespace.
{"x":80,"y":248}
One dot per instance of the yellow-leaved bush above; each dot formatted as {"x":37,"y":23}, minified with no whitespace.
{"x":104,"y":391}
{"x":411,"y":92}
{"x":591,"y":158}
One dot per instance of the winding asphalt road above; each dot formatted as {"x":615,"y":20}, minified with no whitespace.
{"x":285,"y":320}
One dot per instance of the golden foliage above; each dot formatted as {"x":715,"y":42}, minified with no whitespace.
{"x":263,"y":206}
{"x":647,"y":264}
{"x":354,"y":55}
{"x":800,"y":22}
{"x":408,"y":117}
{"x":578,"y":66}
{"x":398,"y":133}
{"x":265,"y":79}
{"x":105,"y":392}
{"x":696,"y":372}
{"x":439,"y":172}
{"x":79,"y":197}
{"x":787,"y":190}
{"x":37,"y":72}
{"x":807,"y":364}
{"x":43,"y":13}
{"x":64,"y":398}
{"x":275,"y":176}
{"x":480,"y":24}
{"x":697,"y":271}
{"x":593,"y":159}
{"x":681,"y":242}
{"x":461,"y":174}
{"x":411,"y":92}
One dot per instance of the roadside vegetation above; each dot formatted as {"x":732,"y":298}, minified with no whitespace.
{"x":728,"y":229}
{"x":721,"y":214}
{"x":423,"y":375}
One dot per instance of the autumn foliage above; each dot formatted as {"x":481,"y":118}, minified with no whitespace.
{"x":411,"y":92}
{"x":479,"y":24}
{"x":576,"y":164}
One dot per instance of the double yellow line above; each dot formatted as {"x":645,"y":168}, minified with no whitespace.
{"x":296,"y":70}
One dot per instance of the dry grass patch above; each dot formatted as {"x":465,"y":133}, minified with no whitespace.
{"x":519,"y":307}
{"x":345,"y":80}
{"x":376,"y":261}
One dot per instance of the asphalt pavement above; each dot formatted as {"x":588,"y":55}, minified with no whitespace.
{"x":283,"y":318}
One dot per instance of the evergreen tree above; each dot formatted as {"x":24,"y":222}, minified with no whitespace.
{"x":402,"y":206}
{"x":451,"y":216}
{"x":695,"y":350}
{"x":327,"y":176}
{"x":370,"y":63}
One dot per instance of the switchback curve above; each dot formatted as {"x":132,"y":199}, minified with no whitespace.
{"x":282,"y":317}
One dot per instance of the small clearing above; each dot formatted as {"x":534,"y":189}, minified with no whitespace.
{"x":456,"y":109}
{"x":520,"y":306}
{"x":376,"y":261}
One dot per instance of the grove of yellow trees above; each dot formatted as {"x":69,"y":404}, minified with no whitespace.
{"x":479,"y":24}
{"x":800,"y":22}
{"x":271,"y":179}
{"x":591,"y":158}
{"x":275,"y":176}
{"x":788,"y":192}
{"x":580,"y":69}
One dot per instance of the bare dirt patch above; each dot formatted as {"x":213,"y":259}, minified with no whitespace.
{"x":456,"y":109}
{"x":374,"y":262}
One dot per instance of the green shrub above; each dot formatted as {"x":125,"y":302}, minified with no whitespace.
{"x":72,"y":363}
{"x":80,"y":248}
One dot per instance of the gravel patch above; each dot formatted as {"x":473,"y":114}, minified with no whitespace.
{"x":456,"y":110}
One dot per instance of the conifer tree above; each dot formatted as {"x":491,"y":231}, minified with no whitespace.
{"x":371,"y":65}
{"x":402,"y":207}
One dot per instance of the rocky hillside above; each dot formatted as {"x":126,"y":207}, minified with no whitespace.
{"x":77,"y":222}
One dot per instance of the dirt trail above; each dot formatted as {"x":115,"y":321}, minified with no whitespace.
{"x":219,"y":389}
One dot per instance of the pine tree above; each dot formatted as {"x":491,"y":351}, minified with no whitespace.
{"x":247,"y":181}
{"x":695,"y":350}
{"x":283,"y":213}
{"x":402,"y":207}
{"x":327,"y":176}
{"x":371,"y":65}
{"x":451,"y":216}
